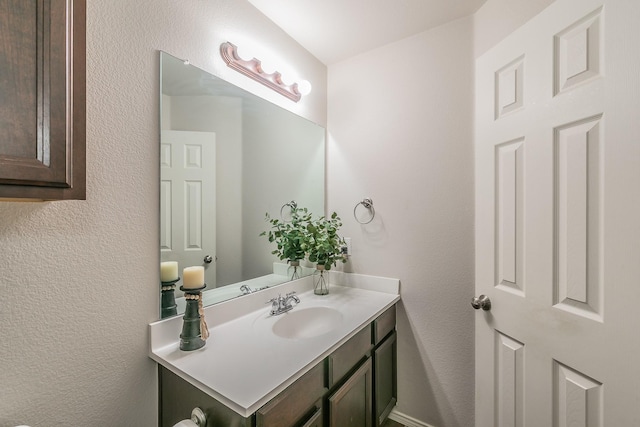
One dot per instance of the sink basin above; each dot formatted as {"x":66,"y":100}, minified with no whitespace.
{"x":307,"y":322}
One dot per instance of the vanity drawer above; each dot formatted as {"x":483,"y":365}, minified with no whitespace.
{"x":348,"y":355}
{"x":294,"y":403}
{"x":384,"y":324}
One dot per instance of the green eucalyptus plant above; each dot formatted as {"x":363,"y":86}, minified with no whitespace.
{"x":291,"y":237}
{"x":324,"y":243}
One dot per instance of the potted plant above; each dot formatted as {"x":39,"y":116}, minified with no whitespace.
{"x":290,"y":237}
{"x":325,"y":249}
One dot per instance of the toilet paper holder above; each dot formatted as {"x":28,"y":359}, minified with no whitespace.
{"x":198,"y":418}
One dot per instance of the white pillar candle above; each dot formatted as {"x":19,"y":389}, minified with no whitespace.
{"x":168,"y":271}
{"x":193,"y":277}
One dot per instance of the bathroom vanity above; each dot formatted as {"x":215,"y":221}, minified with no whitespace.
{"x":330,"y":361}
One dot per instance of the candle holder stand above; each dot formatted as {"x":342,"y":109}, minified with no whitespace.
{"x":168,"y":305}
{"x":194,"y":329}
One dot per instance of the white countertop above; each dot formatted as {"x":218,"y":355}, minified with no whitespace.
{"x":244,"y":364}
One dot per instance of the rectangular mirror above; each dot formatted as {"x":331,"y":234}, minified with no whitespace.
{"x":227,"y":157}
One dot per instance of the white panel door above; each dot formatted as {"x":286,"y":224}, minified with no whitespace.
{"x":557,"y":220}
{"x":188,"y":200}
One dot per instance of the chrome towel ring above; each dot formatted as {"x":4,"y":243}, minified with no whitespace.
{"x":368,"y":204}
{"x":292,"y":205}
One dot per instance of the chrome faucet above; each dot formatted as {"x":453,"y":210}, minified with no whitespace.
{"x":282,"y":304}
{"x":245,"y":290}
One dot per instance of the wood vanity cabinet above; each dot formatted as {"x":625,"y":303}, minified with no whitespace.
{"x":355,"y":386}
{"x":42,"y":100}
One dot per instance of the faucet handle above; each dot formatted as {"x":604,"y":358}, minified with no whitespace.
{"x":291,"y":295}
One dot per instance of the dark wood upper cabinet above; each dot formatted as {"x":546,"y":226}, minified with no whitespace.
{"x":42,"y":99}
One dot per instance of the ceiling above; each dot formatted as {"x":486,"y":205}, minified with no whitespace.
{"x":334,"y":30}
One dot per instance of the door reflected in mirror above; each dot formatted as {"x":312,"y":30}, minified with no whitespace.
{"x":228,"y":157}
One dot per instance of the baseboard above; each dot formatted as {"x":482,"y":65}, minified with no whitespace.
{"x":406,"y":420}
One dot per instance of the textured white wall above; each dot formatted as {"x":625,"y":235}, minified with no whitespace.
{"x":79,"y":279}
{"x":400,"y":132}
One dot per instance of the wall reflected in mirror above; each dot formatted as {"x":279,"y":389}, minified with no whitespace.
{"x":228,"y":157}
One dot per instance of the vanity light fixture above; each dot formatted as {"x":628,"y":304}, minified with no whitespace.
{"x":254,"y":69}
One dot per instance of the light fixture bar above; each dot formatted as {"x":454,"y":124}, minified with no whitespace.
{"x":252,"y":68}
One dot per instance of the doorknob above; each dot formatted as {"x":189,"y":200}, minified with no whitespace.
{"x":208,"y":259}
{"x":481,"y":302}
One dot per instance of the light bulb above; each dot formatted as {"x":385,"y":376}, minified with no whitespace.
{"x":304,"y":87}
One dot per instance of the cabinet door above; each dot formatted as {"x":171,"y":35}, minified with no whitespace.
{"x":385,"y":378}
{"x":42,"y":99}
{"x":350,"y":405}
